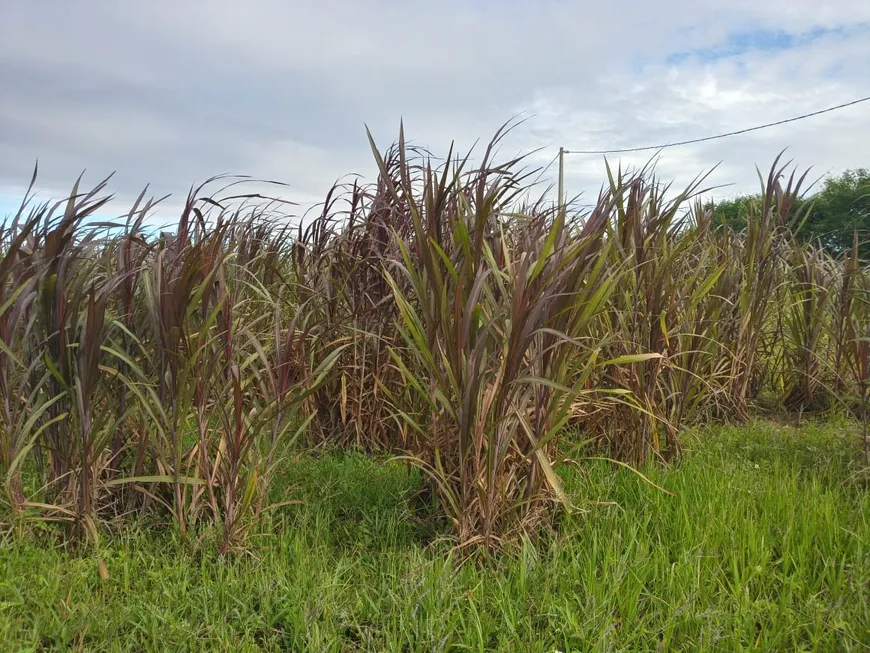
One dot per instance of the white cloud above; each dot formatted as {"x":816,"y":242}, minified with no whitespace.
{"x":173,"y":92}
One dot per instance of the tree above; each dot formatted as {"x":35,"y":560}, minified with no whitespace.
{"x":840,"y":207}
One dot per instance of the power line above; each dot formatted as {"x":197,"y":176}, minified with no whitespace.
{"x":711,"y":138}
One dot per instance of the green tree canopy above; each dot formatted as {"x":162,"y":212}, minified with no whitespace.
{"x":839,"y":208}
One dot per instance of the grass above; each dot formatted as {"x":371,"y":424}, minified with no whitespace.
{"x":442,"y":312}
{"x":762,"y":547}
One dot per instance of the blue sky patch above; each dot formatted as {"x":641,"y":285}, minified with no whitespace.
{"x":763,"y":40}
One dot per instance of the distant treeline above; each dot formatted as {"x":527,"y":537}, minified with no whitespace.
{"x":839,"y":207}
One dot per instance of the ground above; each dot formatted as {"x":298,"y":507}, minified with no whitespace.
{"x":764,"y":545}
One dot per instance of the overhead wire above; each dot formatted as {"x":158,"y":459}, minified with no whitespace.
{"x":717,"y":136}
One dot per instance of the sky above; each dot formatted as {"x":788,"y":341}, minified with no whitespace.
{"x":172,"y":93}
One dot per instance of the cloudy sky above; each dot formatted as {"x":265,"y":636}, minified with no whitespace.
{"x":169,"y":93}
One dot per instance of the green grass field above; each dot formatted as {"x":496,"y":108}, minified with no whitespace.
{"x":765,"y":545}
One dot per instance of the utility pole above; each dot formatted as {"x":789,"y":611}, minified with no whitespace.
{"x":561,"y":180}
